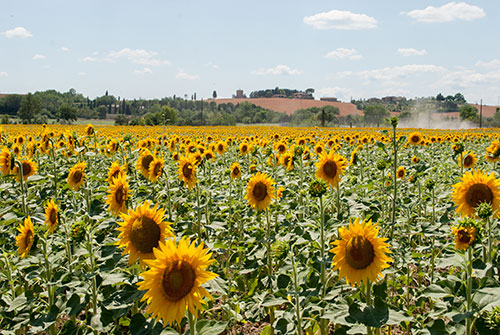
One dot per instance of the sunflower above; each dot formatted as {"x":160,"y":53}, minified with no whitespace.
{"x":415,"y":159}
{"x":359,"y":254}
{"x":330,"y":167}
{"x":51,"y":218}
{"x":469,"y":160}
{"x":114,"y":171}
{"x":401,"y":173}
{"x":208,"y":155}
{"x":24,"y":241}
{"x":464,"y":236}
{"x":235,"y":170}
{"x":76,"y":176}
{"x":89,"y":130}
{"x":142,"y":230}
{"x":280,"y":147}
{"x":475,"y":188}
{"x":16,"y":150}
{"x":221,"y":147}
{"x":155,"y":169}
{"x":319,"y":149}
{"x":415,"y":138}
{"x":144,"y":161}
{"x":287,"y":160}
{"x":187,"y":171}
{"x":244,"y":148}
{"x":29,"y":169}
{"x":6,"y":161}
{"x":260,"y":191}
{"x":118,"y":194}
{"x":174,"y":280}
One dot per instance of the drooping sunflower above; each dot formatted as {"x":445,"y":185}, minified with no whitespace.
{"x":260,"y":191}
{"x":118,"y":194}
{"x":174,"y":280}
{"x":156,"y":169}
{"x":51,"y":218}
{"x":29,"y":169}
{"x":475,"y":188}
{"x":235,"y":170}
{"x":187,"y":171}
{"x":330,"y":167}
{"x":221,"y":147}
{"x":5,"y":161}
{"x":142,"y":230}
{"x":114,"y":171}
{"x":415,"y":138}
{"x":401,"y":173}
{"x":76,"y":176}
{"x":469,"y":159}
{"x":24,"y":241}
{"x":360,"y":255}
{"x":464,"y":236}
{"x":144,"y":161}
{"x":208,"y":155}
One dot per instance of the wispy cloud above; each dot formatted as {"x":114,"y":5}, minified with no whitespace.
{"x":18,"y":32}
{"x":277,"y":70}
{"x":138,"y":56}
{"x":411,"y":52}
{"x":38,"y":57}
{"x":183,"y":75}
{"x":64,"y":49}
{"x":451,"y":11}
{"x":392,"y":73}
{"x":341,"y":53}
{"x":494,"y":63}
{"x":143,"y":71}
{"x":342,"y":20}
{"x":212,"y":65}
{"x":4,"y":74}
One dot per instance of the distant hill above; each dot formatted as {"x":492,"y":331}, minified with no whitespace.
{"x":288,"y":106}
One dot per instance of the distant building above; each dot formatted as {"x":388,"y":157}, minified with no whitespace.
{"x":392,"y":99}
{"x":301,"y":95}
{"x":278,"y":96}
{"x":239,"y":94}
{"x":332,"y":99}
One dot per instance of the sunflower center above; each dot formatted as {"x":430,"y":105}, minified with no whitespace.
{"x":468,"y":160}
{"x":53,"y":216}
{"x":244,"y":148}
{"x":359,"y":252}
{"x":145,"y":234}
{"x":29,"y":237}
{"x":259,"y":191}
{"x":157,"y":169}
{"x":26,"y":169}
{"x":146,"y":161}
{"x":464,"y":236}
{"x":119,"y":195}
{"x":115,"y":174}
{"x":281,"y":148}
{"x":330,"y":169}
{"x":220,"y":147}
{"x":178,"y":280}
{"x":477,"y":194}
{"x":187,"y":170}
{"x":77,"y":176}
{"x":236,"y":171}
{"x":415,"y":139}
{"x":401,"y":173}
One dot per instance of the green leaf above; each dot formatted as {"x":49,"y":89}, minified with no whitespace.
{"x":271,"y":300}
{"x":283,"y":281}
{"x":435,"y":292}
{"x":74,"y":305}
{"x":112,"y":278}
{"x":487,"y":298}
{"x":372,"y":316}
{"x":210,"y":327}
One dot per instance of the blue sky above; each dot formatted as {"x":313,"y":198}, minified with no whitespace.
{"x":153,"y":49}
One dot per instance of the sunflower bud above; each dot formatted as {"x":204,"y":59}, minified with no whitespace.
{"x":317,"y":188}
{"x":429,"y":184}
{"x":298,"y":150}
{"x":381,"y":165}
{"x":484,"y":210}
{"x":492,"y":319}
{"x":78,"y":232}
{"x":394,"y":121}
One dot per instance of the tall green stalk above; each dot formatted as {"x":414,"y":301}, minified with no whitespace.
{"x":468,"y":291}
{"x":394,"y":123}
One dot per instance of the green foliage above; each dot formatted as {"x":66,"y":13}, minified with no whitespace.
{"x":310,"y":117}
{"x":375,"y":114}
{"x":67,"y":113}
{"x":102,"y":111}
{"x":288,"y":93}
{"x":30,"y":107}
{"x":469,"y":113}
{"x":10,"y":104}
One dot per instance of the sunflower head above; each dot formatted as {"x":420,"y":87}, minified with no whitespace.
{"x":415,"y":138}
{"x":415,"y":159}
{"x":6,"y":161}
{"x":317,"y":188}
{"x":330,"y":167}
{"x":475,"y":188}
{"x":235,"y":170}
{"x":118,"y":194}
{"x":115,"y":171}
{"x":24,"y":241}
{"x":29,"y":168}
{"x":155,"y":169}
{"x":260,"y":191}
{"x":173,"y":283}
{"x":51,"y":215}
{"x":89,"y":130}
{"x":468,"y":161}
{"x":401,"y":173}
{"x":76,"y":176}
{"x":466,"y":233}
{"x":187,"y":171}
{"x":142,"y":230}
{"x":359,"y":254}
{"x":144,"y":162}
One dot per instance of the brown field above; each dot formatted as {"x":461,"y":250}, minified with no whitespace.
{"x":289,"y":106}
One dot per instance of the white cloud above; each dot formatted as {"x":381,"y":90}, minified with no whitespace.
{"x":411,"y":52}
{"x":138,"y":56}
{"x":64,"y":49}
{"x":143,"y":71}
{"x":277,"y":70}
{"x":341,"y":53}
{"x":18,"y":32}
{"x":343,"y":20}
{"x":212,"y":65}
{"x":4,"y":74}
{"x":90,"y":59}
{"x":38,"y":57}
{"x":183,"y":75}
{"x":341,"y":93}
{"x":494,"y":63}
{"x":450,"y":12}
{"x":391,"y":73}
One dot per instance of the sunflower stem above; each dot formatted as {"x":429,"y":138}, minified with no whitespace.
{"x":298,"y":313}
{"x":67,"y":246}
{"x":468,"y":292}
{"x":395,"y":168}
{"x":54,"y":167}
{"x":462,"y":163}
{"x":323,"y":322}
{"x":269,"y":267}
{"x":192,"y":326}
{"x":48,"y":278}
{"x":198,"y":225}
{"x":433,"y":258}
{"x":23,"y":193}
{"x":9,"y":276}
{"x":165,"y":171}
{"x":368,"y":296}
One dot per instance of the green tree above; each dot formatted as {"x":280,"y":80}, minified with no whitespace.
{"x":169,"y":115}
{"x":101,"y":112}
{"x":67,"y":113}
{"x":30,"y":107}
{"x":468,"y":112}
{"x":375,"y":114}
{"x":214,"y":95}
{"x":459,"y":98}
{"x":10,"y":104}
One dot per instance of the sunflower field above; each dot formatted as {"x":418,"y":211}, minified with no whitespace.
{"x":248,"y":230}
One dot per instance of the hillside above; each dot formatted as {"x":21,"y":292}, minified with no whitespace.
{"x":289,"y":106}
